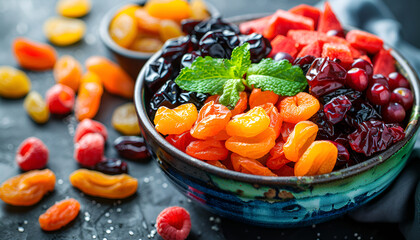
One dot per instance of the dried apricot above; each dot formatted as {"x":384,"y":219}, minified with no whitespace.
{"x":259,"y":97}
{"x":73,"y":8}
{"x":28,"y":188}
{"x":207,"y":150}
{"x":286,"y":130}
{"x":217,"y":164}
{"x":147,"y":22}
{"x":169,"y":29}
{"x":169,"y":9}
{"x":59,"y":215}
{"x":123,"y":29}
{"x":124,"y":119}
{"x":277,"y":159}
{"x":114,"y":78}
{"x":36,"y":107}
{"x":250,"y":166}
{"x":177,"y":120}
{"x":13,"y":82}
{"x":319,"y":158}
{"x":146,"y":44}
{"x":89,"y":96}
{"x":33,"y":55}
{"x":240,"y":106}
{"x":298,"y":108}
{"x":64,"y":31}
{"x":180,"y":141}
{"x":248,"y":124}
{"x":275,"y":119}
{"x":68,"y":71}
{"x":299,"y":140}
{"x":212,"y":119}
{"x":253,"y":147}
{"x":102,"y":185}
{"x":198,"y":10}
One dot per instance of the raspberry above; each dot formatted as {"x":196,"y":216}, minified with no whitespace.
{"x":32,"y":154}
{"x":90,"y":126}
{"x":173,"y":223}
{"x":90,"y":149}
{"x":60,"y":99}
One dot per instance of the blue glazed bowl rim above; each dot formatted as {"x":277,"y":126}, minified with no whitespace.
{"x":148,"y":127}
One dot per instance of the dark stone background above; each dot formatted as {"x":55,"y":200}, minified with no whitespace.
{"x":131,"y":218}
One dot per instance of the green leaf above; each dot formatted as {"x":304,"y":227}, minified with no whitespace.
{"x":231,"y":91}
{"x":280,"y":77}
{"x":240,"y":60}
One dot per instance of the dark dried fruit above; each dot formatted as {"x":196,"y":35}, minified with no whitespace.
{"x":361,"y":111}
{"x":304,"y":62}
{"x":325,"y":76}
{"x":131,"y":147}
{"x":157,"y":73}
{"x":189,"y":58}
{"x":336,"y":109}
{"x":259,"y":46}
{"x":219,"y":44}
{"x":351,"y":94}
{"x":111,"y":166}
{"x":213,"y":24}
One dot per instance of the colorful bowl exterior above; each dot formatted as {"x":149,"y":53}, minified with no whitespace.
{"x":280,"y":201}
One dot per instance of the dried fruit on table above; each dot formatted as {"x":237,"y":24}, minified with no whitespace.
{"x":173,"y":223}
{"x":210,"y":150}
{"x":89,"y":150}
{"x":198,"y":10}
{"x":253,"y":147}
{"x":168,"y":9}
{"x":114,"y":78}
{"x":73,"y":8}
{"x":13,"y":82}
{"x":68,"y":71}
{"x":298,"y":108}
{"x":36,"y":107}
{"x":102,"y":185}
{"x":259,"y":97}
{"x":169,"y":29}
{"x":211,"y":119}
{"x":33,"y":55}
{"x":59,"y":215}
{"x":60,"y":99}
{"x":180,"y":141}
{"x":28,"y":188}
{"x":32,"y":154}
{"x":124,"y":119}
{"x":177,"y":120}
{"x":132,"y":147}
{"x":64,"y":31}
{"x":89,"y":126}
{"x":123,"y":29}
{"x":299,"y":140}
{"x":319,"y":158}
{"x":248,"y":124}
{"x":89,"y":96}
{"x":111,"y":166}
{"x":250,"y":166}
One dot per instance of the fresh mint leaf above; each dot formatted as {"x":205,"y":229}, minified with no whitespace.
{"x":231,"y":91}
{"x":280,"y":77}
{"x":240,"y":60}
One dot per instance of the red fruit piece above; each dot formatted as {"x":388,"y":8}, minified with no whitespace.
{"x":283,"y":44}
{"x":32,"y":154}
{"x":397,"y":132}
{"x":250,"y":166}
{"x":357,"y":79}
{"x":396,"y":80}
{"x":207,"y":150}
{"x":328,"y":21}
{"x":336,"y":109}
{"x":383,"y":63}
{"x":89,"y":126}
{"x":393,"y":113}
{"x":307,"y":11}
{"x":403,"y":96}
{"x":60,"y":99}
{"x":255,"y":26}
{"x":340,"y":51}
{"x":180,"y":141}
{"x":285,"y":171}
{"x":282,"y":21}
{"x":364,"y":41}
{"x":304,"y":37}
{"x":89,"y":150}
{"x":277,"y":159}
{"x":173,"y":223}
{"x":313,"y":49}
{"x":286,"y":130}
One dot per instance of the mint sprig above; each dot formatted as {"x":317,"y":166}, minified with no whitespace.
{"x":225,"y":77}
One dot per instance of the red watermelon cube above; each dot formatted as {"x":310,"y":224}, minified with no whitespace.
{"x":254,"y":26}
{"x":328,"y":21}
{"x":383,"y":63}
{"x":364,"y":41}
{"x":337,"y":50}
{"x":304,"y":37}
{"x":282,"y":21}
{"x":313,"y":49}
{"x":307,"y":11}
{"x":283,"y":44}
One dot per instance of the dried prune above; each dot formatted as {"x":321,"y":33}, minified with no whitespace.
{"x":131,"y":147}
{"x":219,"y":44}
{"x":336,"y":109}
{"x":111,"y":166}
{"x":325,"y":76}
{"x":361,"y":111}
{"x":157,"y":73}
{"x":213,"y":24}
{"x":259,"y":46}
{"x":304,"y":62}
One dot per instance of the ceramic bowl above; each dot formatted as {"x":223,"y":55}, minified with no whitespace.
{"x":280,"y":201}
{"x":131,"y":61}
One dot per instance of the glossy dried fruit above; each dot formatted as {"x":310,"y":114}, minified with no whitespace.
{"x":286,"y":130}
{"x":207,"y":150}
{"x":89,"y":126}
{"x":319,"y":158}
{"x":173,"y":223}
{"x":111,"y":166}
{"x":277,"y":159}
{"x":180,"y":141}
{"x":211,"y":119}
{"x":132,"y":147}
{"x":33,"y":55}
{"x":123,"y":29}
{"x":248,"y":124}
{"x":169,"y":9}
{"x":299,"y":140}
{"x":68,"y":71}
{"x":336,"y":109}
{"x":276,"y":120}
{"x":177,"y":120}
{"x":147,"y":22}
{"x":36,"y":107}
{"x":64,"y":31}
{"x":60,"y":99}
{"x":101,"y":185}
{"x":124,"y":119}
{"x":89,"y":96}
{"x":240,"y":106}
{"x":198,"y":10}
{"x":32,"y":154}
{"x":89,"y":150}
{"x":13,"y":82}
{"x":28,"y":188}
{"x":259,"y":97}
{"x":169,"y":29}
{"x":298,"y":108}
{"x":253,"y":147}
{"x":146,"y":44}
{"x":250,"y":166}
{"x":59,"y":215}
{"x":217,"y":164}
{"x":114,"y":78}
{"x":73,"y":8}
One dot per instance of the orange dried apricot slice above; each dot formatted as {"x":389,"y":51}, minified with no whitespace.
{"x":177,"y":120}
{"x":207,"y":150}
{"x":319,"y":158}
{"x":64,"y":31}
{"x":299,"y":140}
{"x":89,"y":96}
{"x":212,"y":119}
{"x":68,"y":71}
{"x":275,"y":118}
{"x":248,"y":124}
{"x":73,"y":8}
{"x":298,"y":108}
{"x":259,"y":97}
{"x":250,"y":166}
{"x":123,"y":29}
{"x":59,"y":215}
{"x":33,"y":55}
{"x":169,"y":9}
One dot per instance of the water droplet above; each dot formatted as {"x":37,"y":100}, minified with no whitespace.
{"x":118,"y":209}
{"x":217,"y":220}
{"x":109,"y":221}
{"x":146,"y":180}
{"x":165,"y":185}
{"x":87,"y":219}
{"x":215,"y":228}
{"x":111,"y":228}
{"x":355,"y":234}
{"x":131,"y":233}
{"x":21,"y":229}
{"x":318,"y":234}
{"x":87,"y":214}
{"x":108,"y":231}
{"x":90,"y":39}
{"x":60,"y":181}
{"x":107,"y":214}
{"x":211,"y":219}
{"x":94,"y":236}
{"x":25,"y":221}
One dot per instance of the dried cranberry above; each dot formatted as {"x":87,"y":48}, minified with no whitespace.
{"x":337,"y":108}
{"x":351,"y":94}
{"x":259,"y":46}
{"x":361,"y":111}
{"x":371,"y":137}
{"x":325,"y":76}
{"x":157,"y":73}
{"x":219,"y":44}
{"x":131,"y":147}
{"x":304,"y":62}
{"x":325,"y":128}
{"x":188,"y":25}
{"x":111,"y":166}
{"x":397,"y":131}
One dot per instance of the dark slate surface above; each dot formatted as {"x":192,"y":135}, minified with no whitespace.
{"x":131,"y":218}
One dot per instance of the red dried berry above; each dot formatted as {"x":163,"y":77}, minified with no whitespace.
{"x":325,"y":76}
{"x":343,"y":156}
{"x":336,"y":109}
{"x":111,"y":166}
{"x":180,"y":141}
{"x":90,"y":126}
{"x":60,"y":99}
{"x":397,"y":132}
{"x":132,"y":148}
{"x":32,"y":154}
{"x":90,"y":149}
{"x":173,"y":223}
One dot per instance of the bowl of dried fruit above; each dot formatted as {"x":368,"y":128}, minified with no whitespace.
{"x":134,"y":31}
{"x":281,"y":120}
